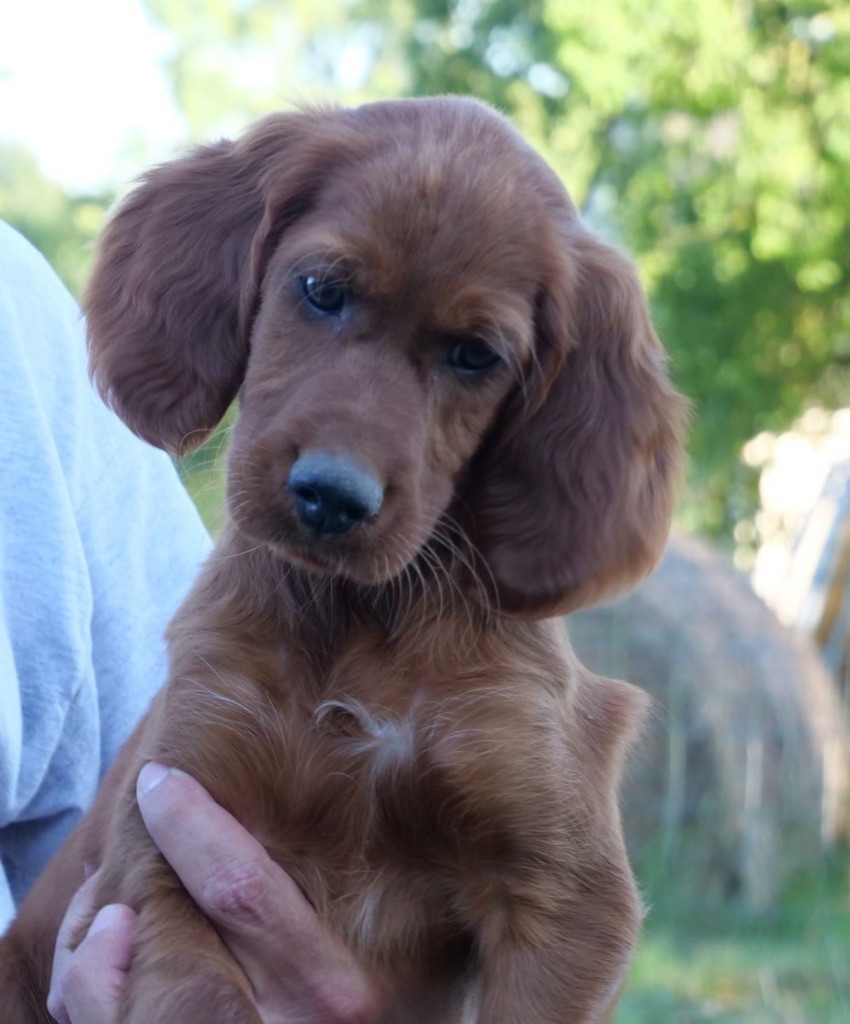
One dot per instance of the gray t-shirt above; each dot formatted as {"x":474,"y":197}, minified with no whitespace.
{"x":98,"y":545}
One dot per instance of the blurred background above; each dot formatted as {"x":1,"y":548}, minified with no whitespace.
{"x":711,"y":139}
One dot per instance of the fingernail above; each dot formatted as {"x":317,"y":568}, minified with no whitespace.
{"x":150,"y":776}
{"x":106,"y":917}
{"x":55,"y":1004}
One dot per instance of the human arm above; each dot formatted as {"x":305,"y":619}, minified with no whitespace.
{"x":98,"y":545}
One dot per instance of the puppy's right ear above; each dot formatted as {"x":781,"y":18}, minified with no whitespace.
{"x":176,"y":281}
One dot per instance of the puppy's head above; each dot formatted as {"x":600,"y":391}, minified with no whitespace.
{"x":419,"y":327}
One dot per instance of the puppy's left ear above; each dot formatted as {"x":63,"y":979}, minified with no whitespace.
{"x":571,"y":502}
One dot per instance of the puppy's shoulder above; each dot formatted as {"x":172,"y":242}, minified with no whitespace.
{"x":596,"y":718}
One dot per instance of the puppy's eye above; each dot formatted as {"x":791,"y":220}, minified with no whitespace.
{"x":326,"y":294}
{"x":472,"y":358}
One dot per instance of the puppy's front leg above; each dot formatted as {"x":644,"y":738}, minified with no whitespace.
{"x":565,"y":964}
{"x":181,"y":969}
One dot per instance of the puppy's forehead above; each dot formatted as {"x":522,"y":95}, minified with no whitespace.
{"x":435,"y":225}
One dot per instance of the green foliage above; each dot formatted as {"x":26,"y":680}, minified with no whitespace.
{"x":710,"y":138}
{"x":237,"y":61}
{"x":60,"y":226}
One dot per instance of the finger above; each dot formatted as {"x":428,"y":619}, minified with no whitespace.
{"x":80,"y":909}
{"x":260,"y":912}
{"x":93,"y":985}
{"x":224,"y":868}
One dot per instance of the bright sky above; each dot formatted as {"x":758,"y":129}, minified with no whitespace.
{"x":81,"y":85}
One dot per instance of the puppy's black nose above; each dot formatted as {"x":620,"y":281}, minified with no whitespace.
{"x":331,"y":494}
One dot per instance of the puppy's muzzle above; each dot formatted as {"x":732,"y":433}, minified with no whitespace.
{"x":331,"y":494}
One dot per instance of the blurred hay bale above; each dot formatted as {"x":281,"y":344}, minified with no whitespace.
{"x":743,"y":774}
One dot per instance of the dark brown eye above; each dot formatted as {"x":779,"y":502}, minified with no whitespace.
{"x":325,"y":294}
{"x":472,"y":358}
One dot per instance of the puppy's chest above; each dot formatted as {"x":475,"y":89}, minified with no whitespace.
{"x":357,"y":775}
{"x":390,"y":793}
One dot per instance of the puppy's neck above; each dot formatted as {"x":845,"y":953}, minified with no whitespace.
{"x":317,"y":614}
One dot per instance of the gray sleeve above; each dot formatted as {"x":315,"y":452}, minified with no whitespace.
{"x":98,"y":545}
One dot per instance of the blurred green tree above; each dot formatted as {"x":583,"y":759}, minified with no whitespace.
{"x":62,"y":227}
{"x":710,"y":137}
{"x":236,"y":61}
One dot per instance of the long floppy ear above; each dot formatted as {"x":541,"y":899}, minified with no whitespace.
{"x":572,"y":503}
{"x":177,"y":276}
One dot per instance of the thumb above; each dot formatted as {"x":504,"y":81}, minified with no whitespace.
{"x":92,"y":987}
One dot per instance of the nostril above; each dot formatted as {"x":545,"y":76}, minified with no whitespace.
{"x":331,"y":494}
{"x":306,"y":493}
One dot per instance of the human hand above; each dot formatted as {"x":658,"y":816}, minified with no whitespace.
{"x":296,"y":968}
{"x":88,"y":984}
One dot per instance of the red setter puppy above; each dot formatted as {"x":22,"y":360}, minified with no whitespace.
{"x":455,"y":424}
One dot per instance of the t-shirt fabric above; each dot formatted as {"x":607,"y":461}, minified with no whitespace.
{"x":99,"y":542}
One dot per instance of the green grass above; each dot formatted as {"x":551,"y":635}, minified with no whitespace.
{"x":727,"y":965}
